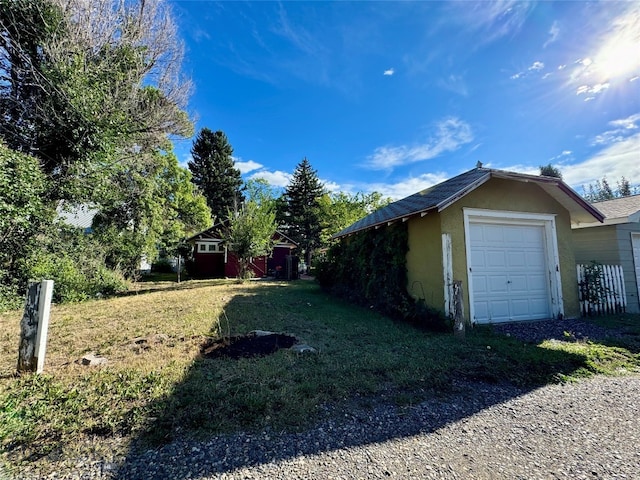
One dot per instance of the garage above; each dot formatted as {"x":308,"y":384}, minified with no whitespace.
{"x":510,"y":266}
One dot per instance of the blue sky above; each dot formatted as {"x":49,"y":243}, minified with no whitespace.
{"x":396,"y":96}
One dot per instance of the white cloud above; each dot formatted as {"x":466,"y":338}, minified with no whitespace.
{"x":526,"y":169}
{"x":450,"y":135}
{"x":629,"y":123}
{"x":406,"y":187}
{"x":246,"y":167}
{"x":592,"y":90}
{"x":455,"y":84}
{"x":622,"y":129}
{"x":184,"y":163}
{"x":615,"y":161}
{"x":614,"y":59}
{"x":496,"y":19}
{"x":565,"y":155}
{"x":389,"y":72}
{"x":516,"y":76}
{"x":277,"y":178}
{"x":536,"y":66}
{"x":554,"y":31}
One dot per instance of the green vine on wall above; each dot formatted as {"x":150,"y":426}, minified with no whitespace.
{"x":369,"y":268}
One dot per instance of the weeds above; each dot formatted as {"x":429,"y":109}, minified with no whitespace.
{"x":155,"y":394}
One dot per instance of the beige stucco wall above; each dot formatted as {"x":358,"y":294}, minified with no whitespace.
{"x":496,"y":194}
{"x":424,"y":260}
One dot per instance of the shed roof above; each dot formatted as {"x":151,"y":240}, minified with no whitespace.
{"x":214,"y":233}
{"x":442,"y":195}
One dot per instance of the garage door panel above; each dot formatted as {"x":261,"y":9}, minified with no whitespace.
{"x":497,"y":284}
{"x":537,"y":284}
{"x":493,"y":234}
{"x":539,"y":307}
{"x":516,"y":259}
{"x":482,"y":309}
{"x":509,"y":272}
{"x":478,"y":259}
{"x":519,"y":284}
{"x":480,"y":284}
{"x":495,"y":259}
{"x":499,"y":310}
{"x":534,"y":258}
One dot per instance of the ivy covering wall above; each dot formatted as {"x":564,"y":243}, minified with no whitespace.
{"x":369,"y":268}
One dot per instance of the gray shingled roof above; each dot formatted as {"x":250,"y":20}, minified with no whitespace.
{"x":619,"y":207}
{"x":440,"y":196}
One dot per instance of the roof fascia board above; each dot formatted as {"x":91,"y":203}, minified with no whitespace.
{"x":461,"y":193}
{"x":564,"y":188}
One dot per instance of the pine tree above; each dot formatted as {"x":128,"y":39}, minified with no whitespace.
{"x":550,"y":171}
{"x":214,"y":173}
{"x":299,"y":212}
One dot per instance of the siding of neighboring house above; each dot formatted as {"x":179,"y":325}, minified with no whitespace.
{"x":610,"y":245}
{"x":424,"y":259}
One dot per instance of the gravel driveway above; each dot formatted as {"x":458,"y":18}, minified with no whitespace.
{"x":589,"y":429}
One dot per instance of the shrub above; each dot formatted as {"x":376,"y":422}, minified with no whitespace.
{"x":369,"y":268}
{"x":76,"y":264}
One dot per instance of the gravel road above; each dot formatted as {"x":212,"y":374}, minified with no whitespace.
{"x":589,"y":429}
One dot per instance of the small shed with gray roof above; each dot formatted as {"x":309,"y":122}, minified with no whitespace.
{"x":505,"y":235}
{"x":615,"y":241}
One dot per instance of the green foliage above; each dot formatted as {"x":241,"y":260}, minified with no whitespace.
{"x":262,"y":192}
{"x":24,"y":215}
{"x":153,"y":209}
{"x":550,"y":171}
{"x":81,"y":97}
{"x":213,"y":171}
{"x":94,"y":94}
{"x":339,"y":210}
{"x":249,"y":233}
{"x":75,"y":262}
{"x":369,"y":268}
{"x":299,"y":210}
{"x":600,"y":190}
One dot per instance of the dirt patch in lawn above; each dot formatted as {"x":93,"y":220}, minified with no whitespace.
{"x":246,"y":346}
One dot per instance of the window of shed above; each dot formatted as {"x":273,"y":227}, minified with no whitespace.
{"x":212,"y":247}
{"x":202,"y":247}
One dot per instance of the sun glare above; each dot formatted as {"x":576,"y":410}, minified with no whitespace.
{"x":618,"y":58}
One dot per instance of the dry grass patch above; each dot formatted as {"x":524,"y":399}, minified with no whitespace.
{"x":154,"y":391}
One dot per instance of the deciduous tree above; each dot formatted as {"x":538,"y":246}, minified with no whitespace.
{"x":339,"y":210}
{"x":249,"y":233}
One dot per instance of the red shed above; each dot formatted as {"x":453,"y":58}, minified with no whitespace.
{"x":212,"y":258}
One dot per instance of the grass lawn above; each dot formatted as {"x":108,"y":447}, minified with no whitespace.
{"x":153,"y":392}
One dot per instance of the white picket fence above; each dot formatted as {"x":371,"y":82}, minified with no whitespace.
{"x":601,"y":289}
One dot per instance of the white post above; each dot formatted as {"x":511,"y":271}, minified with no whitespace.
{"x":34,"y":326}
{"x":44,"y":310}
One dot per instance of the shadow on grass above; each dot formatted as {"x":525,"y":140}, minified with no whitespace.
{"x":372,"y":380}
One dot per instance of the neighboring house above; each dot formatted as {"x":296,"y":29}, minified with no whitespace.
{"x":80,"y":216}
{"x":614,"y":242}
{"x":212,"y":258}
{"x":505,"y":235}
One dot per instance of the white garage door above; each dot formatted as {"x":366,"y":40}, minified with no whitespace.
{"x":509,"y":274}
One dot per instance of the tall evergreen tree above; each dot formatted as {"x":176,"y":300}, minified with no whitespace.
{"x":214,"y":173}
{"x":299,"y":210}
